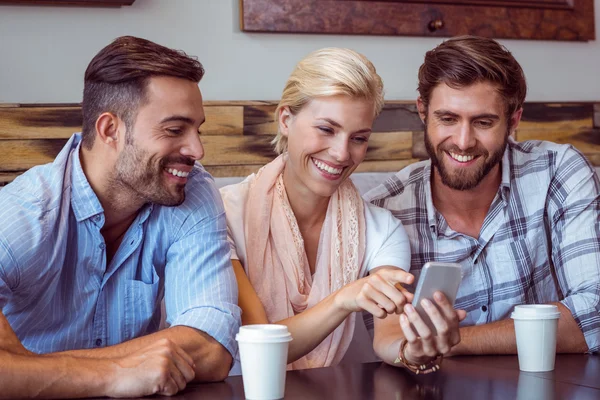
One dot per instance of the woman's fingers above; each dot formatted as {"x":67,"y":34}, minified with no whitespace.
{"x":396,"y":275}
{"x":397,"y":298}
{"x":367,"y":304}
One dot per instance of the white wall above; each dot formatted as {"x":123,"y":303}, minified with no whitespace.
{"x":44,"y":52}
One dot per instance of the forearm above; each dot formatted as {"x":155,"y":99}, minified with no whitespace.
{"x":60,"y":377}
{"x":386,"y":344}
{"x":212,"y":361}
{"x":499,"y":337}
{"x":311,"y":327}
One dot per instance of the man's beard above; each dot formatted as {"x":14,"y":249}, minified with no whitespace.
{"x":464,"y":178}
{"x":143,"y":175}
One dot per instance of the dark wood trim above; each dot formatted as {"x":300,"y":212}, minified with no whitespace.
{"x":575,"y":23}
{"x":81,"y":3}
{"x":557,"y":4}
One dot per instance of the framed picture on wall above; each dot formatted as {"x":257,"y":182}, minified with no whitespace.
{"x":84,"y":3}
{"x":510,"y":19}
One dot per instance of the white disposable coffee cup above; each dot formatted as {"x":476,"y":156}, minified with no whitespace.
{"x":535,"y":328}
{"x":263,"y":356}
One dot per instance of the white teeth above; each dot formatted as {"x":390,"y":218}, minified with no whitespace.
{"x":175,"y":172}
{"x":461,"y":158}
{"x":324,"y":167}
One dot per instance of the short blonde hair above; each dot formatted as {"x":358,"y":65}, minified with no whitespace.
{"x":329,"y":72}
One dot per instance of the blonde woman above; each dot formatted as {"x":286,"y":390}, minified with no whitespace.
{"x":308,"y":252}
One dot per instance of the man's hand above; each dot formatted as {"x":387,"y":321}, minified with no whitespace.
{"x":161,"y":368}
{"x":377,"y":293}
{"x":422,"y":345}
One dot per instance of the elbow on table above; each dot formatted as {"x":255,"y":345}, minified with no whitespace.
{"x":215,"y":367}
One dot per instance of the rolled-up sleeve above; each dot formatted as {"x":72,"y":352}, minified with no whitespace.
{"x":200,"y":286}
{"x":574,"y":207}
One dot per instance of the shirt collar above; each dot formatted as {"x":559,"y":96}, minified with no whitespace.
{"x":506,"y":168}
{"x":85,"y":203}
{"x":431,"y":212}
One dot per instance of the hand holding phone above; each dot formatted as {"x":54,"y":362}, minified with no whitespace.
{"x":436,"y":276}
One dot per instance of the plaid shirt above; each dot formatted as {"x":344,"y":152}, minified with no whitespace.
{"x":539,"y":243}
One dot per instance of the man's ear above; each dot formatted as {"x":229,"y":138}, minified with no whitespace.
{"x":421,"y":109}
{"x":107,"y":129}
{"x":514,"y":120}
{"x":285,"y":118}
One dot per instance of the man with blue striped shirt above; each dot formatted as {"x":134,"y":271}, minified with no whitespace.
{"x":124,"y":217}
{"x":522,"y":219}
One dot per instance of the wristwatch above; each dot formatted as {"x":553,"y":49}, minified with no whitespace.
{"x":427,"y":368}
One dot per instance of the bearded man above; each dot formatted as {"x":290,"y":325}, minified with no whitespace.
{"x":123,"y":218}
{"x":522,"y":219}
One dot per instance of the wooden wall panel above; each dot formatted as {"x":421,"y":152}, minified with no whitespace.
{"x":19,"y":155}
{"x":61,"y":122}
{"x":237,"y":134}
{"x":561,"y":20}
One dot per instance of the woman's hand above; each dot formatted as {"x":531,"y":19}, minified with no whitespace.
{"x":380,"y":293}
{"x":423,"y":346}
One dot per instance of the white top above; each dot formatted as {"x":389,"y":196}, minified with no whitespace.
{"x":387,"y":244}
{"x":386,"y":240}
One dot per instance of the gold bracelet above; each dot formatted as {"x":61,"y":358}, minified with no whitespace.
{"x":431,"y":366}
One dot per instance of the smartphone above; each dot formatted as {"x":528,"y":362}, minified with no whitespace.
{"x":436,"y":276}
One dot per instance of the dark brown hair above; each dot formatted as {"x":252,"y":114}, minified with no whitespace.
{"x":116,"y":79}
{"x":465,"y":60}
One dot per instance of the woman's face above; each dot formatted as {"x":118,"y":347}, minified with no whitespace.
{"x":327,"y":140}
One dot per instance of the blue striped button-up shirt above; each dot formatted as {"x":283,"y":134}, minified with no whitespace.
{"x":57,"y":290}
{"x":539,"y":243}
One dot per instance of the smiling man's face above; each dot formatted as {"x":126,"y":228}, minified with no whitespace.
{"x":164,"y":143}
{"x":466,"y":132}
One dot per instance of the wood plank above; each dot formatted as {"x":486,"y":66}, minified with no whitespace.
{"x":260,"y":119}
{"x":397,"y":116}
{"x":62,"y":122}
{"x":594,"y":159}
{"x":220,"y":150}
{"x":19,"y":155}
{"x":7,"y":177}
{"x":547,"y":117}
{"x":234,"y":150}
{"x":385,"y":146}
{"x":554,"y":112}
{"x":39,"y":122}
{"x":223,"y":120}
{"x":419,"y":151}
{"x":597,"y":115}
{"x":585,"y":140}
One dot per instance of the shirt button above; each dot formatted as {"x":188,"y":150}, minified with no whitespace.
{"x":102,"y":246}
{"x":97,"y":218}
{"x":484,"y":308}
{"x":98,"y":342}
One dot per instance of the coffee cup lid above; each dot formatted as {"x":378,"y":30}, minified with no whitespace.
{"x":535,"y":311}
{"x":263,"y":333}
